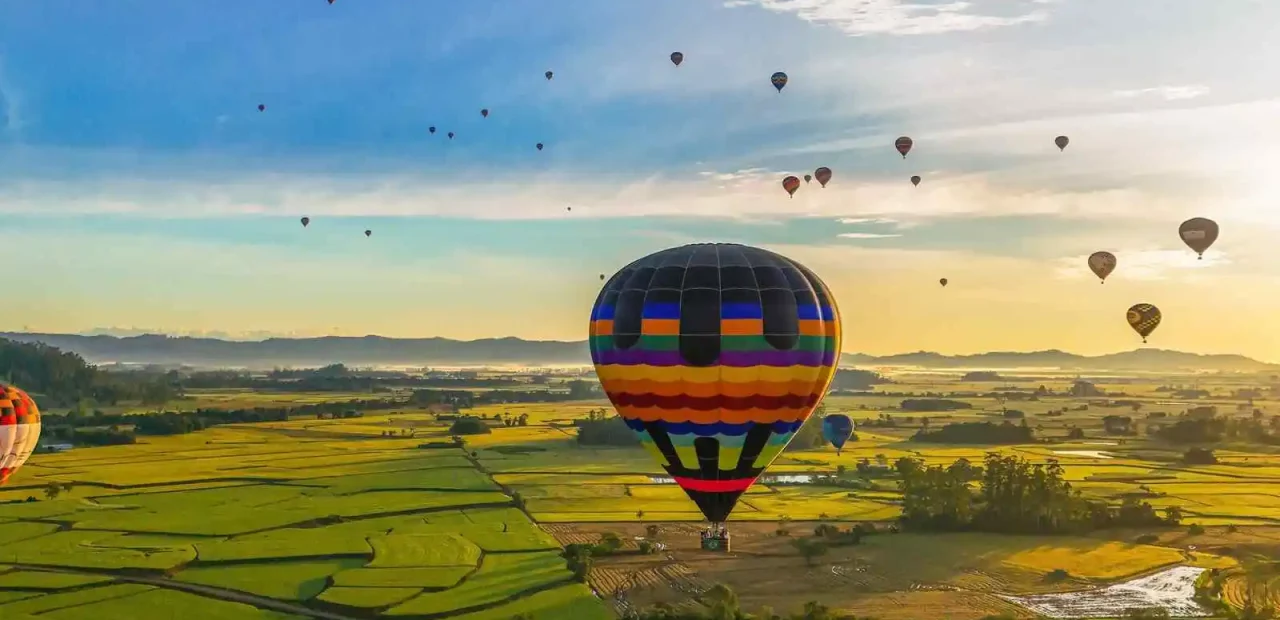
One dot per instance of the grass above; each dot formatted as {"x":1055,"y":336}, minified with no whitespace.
{"x":410,"y":550}
{"x":500,"y":577}
{"x":368,"y":598}
{"x":419,"y":578}
{"x":40,"y":580}
{"x":291,"y":581}
{"x":162,"y":604}
{"x":287,"y":543}
{"x":568,"y":601}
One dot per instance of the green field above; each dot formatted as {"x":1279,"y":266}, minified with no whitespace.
{"x":277,"y":520}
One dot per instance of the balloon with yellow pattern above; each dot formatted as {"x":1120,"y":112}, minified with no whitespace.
{"x":1144,"y":319}
{"x":715,"y":354}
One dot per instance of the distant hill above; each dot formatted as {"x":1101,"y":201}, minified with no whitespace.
{"x":377,"y":350}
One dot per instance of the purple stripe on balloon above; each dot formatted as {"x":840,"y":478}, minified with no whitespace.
{"x":734,"y":359}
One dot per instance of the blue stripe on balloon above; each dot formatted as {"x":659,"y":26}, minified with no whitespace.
{"x":741,"y":310}
{"x":661,"y":310}
{"x":603,"y":312}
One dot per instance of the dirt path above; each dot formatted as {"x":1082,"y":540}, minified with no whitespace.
{"x":231,"y":596}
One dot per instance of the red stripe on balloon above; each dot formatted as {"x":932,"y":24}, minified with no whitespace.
{"x":715,"y":486}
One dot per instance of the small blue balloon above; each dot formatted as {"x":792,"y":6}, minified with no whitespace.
{"x":836,"y":429}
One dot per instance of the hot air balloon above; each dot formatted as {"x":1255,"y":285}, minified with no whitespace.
{"x":1102,"y":264}
{"x":903,"y":145}
{"x":823,"y":175}
{"x":539,"y":145}
{"x":262,"y":108}
{"x":779,"y":80}
{"x":450,"y":134}
{"x":677,"y":58}
{"x":915,"y":180}
{"x":431,"y":129}
{"x":19,"y":429}
{"x":1198,"y":233}
{"x":791,"y":184}
{"x":484,"y":112}
{"x":330,"y":1}
{"x":568,"y":208}
{"x":368,"y":232}
{"x":602,"y":277}
{"x":715,"y":355}
{"x":808,"y":177}
{"x":942,"y":281}
{"x":836,"y":429}
{"x":305,"y":221}
{"x":1144,"y":319}
{"x":1062,"y":142}
{"x":549,"y":75}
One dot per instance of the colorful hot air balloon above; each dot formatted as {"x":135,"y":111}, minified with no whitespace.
{"x":484,"y":112}
{"x":450,"y":134}
{"x":677,"y":58}
{"x":1102,"y":264}
{"x":539,"y":145}
{"x":19,"y":429}
{"x":823,"y":175}
{"x":779,"y":80}
{"x":942,"y":281}
{"x":836,"y":429}
{"x":903,"y":145}
{"x":549,"y":75}
{"x":368,"y":232}
{"x":808,"y":177}
{"x":715,"y":355}
{"x":1062,"y":142}
{"x":791,"y":184}
{"x":262,"y":108}
{"x":915,"y":180}
{"x":1198,"y":233}
{"x":305,"y":221}
{"x":1144,"y":319}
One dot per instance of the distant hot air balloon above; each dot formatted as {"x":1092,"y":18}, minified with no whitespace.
{"x":1102,"y":264}
{"x":903,"y":145}
{"x":712,"y":364}
{"x":808,"y":177}
{"x":539,"y":145}
{"x":779,"y":80}
{"x":677,"y":58}
{"x":602,"y":277}
{"x":330,"y":1}
{"x":450,"y":134}
{"x":836,"y":429}
{"x":305,"y":221}
{"x":262,"y":108}
{"x":19,"y":429}
{"x":549,"y":75}
{"x":1144,"y":319}
{"x":823,"y":175}
{"x":431,"y":129}
{"x":484,"y":112}
{"x":568,"y":208}
{"x":1198,"y":233}
{"x":368,"y":232}
{"x":1062,"y":142}
{"x":915,"y":180}
{"x":942,"y":281}
{"x":791,"y":184}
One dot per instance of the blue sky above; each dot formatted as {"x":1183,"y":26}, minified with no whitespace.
{"x":142,"y":190}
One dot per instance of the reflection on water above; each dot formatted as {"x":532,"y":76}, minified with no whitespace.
{"x":1093,"y":454}
{"x":787,"y":479}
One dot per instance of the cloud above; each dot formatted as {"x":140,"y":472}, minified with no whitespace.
{"x":868,"y":235}
{"x":899,"y":17}
{"x":867,"y":220}
{"x":1168,"y":93}
{"x":1144,"y":264}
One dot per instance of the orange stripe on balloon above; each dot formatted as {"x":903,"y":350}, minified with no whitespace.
{"x":660,"y":327}
{"x":812,"y":327}
{"x":759,"y":416}
{"x":602,"y":327}
{"x":741,"y":327}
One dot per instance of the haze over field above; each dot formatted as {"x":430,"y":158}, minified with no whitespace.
{"x":142,"y":187}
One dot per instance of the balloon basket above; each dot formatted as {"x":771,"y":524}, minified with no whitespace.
{"x":717,"y":543}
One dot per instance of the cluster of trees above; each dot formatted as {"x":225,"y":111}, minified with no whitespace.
{"x":850,"y":379}
{"x":1013,"y":495}
{"x":978,"y":433}
{"x":55,"y":378}
{"x":933,"y":404}
{"x":600,"y":428}
{"x":1202,"y":429}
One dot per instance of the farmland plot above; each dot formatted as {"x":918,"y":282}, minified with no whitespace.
{"x":1172,"y":590}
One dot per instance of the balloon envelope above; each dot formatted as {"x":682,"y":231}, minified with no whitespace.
{"x":915,"y":180}
{"x":431,"y":129}
{"x":823,"y":175}
{"x":484,"y":112}
{"x":715,"y":355}
{"x":791,"y":184}
{"x":450,"y":135}
{"x":368,"y":232}
{"x":305,"y":221}
{"x":808,"y":177}
{"x":1062,"y":142}
{"x":903,"y":145}
{"x":262,"y":108}
{"x":942,"y":281}
{"x":539,"y":145}
{"x":778,"y":80}
{"x":1102,"y":264}
{"x":1198,"y":233}
{"x":677,"y":58}
{"x":549,"y":75}
{"x":1144,"y":319}
{"x":836,"y":429}
{"x":19,"y":429}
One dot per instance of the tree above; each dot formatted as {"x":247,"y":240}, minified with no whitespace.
{"x":809,"y":548}
{"x":52,"y":490}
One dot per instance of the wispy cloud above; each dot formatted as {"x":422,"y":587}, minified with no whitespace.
{"x":901,"y":17}
{"x":867,"y":220}
{"x":1168,"y":93}
{"x":861,"y":235}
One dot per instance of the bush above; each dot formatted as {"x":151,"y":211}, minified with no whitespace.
{"x":1195,"y":530}
{"x":469,"y":425}
{"x":1146,"y":539}
{"x":1056,"y":575}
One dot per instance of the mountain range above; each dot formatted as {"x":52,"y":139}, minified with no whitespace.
{"x":418,"y":352}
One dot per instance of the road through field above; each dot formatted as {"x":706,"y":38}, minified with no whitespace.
{"x":230,"y":596}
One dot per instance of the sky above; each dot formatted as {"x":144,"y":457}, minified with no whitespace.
{"x":142,"y":191}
